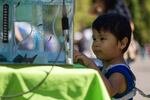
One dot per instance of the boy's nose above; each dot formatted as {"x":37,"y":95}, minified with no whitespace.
{"x":96,"y":43}
{"x":94,"y":46}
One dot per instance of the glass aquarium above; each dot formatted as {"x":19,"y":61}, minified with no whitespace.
{"x":36,"y":31}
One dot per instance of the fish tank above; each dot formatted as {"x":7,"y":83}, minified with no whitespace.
{"x":36,"y":31}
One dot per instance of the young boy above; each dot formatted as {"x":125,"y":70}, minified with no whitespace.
{"x":111,"y":38}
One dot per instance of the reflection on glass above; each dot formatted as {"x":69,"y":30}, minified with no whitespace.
{"x":35,"y":32}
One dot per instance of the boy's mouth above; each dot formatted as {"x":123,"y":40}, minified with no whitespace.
{"x":97,"y":48}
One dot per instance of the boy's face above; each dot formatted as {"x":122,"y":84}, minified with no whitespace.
{"x":105,"y":45}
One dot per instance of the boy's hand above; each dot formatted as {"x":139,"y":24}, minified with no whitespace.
{"x":82,"y":59}
{"x":78,"y":57}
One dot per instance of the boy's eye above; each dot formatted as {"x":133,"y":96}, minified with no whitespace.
{"x":94,"y":39}
{"x":102,"y":38}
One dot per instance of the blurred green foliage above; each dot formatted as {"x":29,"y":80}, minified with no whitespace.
{"x":140,"y":11}
{"x":82,"y":14}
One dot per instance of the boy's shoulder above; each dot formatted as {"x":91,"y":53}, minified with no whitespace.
{"x":129,"y":76}
{"x":120,"y":68}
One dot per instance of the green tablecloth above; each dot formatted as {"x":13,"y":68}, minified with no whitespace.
{"x":61,"y":84}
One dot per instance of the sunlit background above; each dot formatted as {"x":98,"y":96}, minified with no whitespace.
{"x":140,"y":49}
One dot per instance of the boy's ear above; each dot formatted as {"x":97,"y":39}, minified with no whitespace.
{"x":124,"y":42}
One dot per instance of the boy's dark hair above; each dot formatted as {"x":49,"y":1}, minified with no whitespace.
{"x":117,"y":24}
